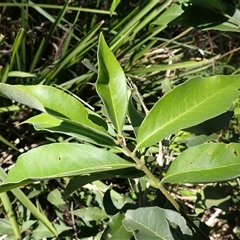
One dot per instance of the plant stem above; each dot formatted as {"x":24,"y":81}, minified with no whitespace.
{"x":160,"y":186}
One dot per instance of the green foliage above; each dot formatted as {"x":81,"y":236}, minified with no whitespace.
{"x":111,"y":86}
{"x":208,"y":165}
{"x":118,"y":137}
{"x":187,"y":105}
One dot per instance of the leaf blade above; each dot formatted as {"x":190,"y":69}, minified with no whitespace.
{"x":153,"y":223}
{"x":187,"y":105}
{"x":79,"y":131}
{"x":55,"y":103}
{"x":111,"y":85}
{"x":208,"y":164}
{"x":61,"y":160}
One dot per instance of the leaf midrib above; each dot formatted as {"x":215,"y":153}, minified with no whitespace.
{"x":185,"y":113}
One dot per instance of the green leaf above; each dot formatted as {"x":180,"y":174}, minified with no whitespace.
{"x":42,"y":232}
{"x":111,"y":85}
{"x":187,"y":105}
{"x":55,"y":198}
{"x":172,"y":12}
{"x":49,"y":123}
{"x":6,"y":227}
{"x":114,"y":5}
{"x":192,"y":140}
{"x":46,"y":99}
{"x":78,"y":182}
{"x":115,"y":229}
{"x":135,"y":116}
{"x":21,"y":74}
{"x":212,"y":162}
{"x":213,"y":196}
{"x":61,"y":160}
{"x":56,"y":103}
{"x":16,"y":45}
{"x":213,"y":4}
{"x":217,"y":15}
{"x":90,"y":214}
{"x":212,"y":125}
{"x":154,"y":223}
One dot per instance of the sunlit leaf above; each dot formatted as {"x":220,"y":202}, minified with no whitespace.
{"x":111,"y":85}
{"x":172,"y":12}
{"x":69,"y":113}
{"x":212,"y":162}
{"x":61,"y":160}
{"x":79,"y":131}
{"x":114,"y":5}
{"x":187,"y":105}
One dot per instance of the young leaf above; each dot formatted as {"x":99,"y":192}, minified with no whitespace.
{"x":187,"y":105}
{"x":111,"y":85}
{"x":212,"y":162}
{"x":61,"y":160}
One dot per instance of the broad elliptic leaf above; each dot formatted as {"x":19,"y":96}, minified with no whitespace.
{"x":207,"y":163}
{"x":187,"y":105}
{"x":154,"y":223}
{"x":59,"y":160}
{"x":58,"y":104}
{"x":111,"y":85}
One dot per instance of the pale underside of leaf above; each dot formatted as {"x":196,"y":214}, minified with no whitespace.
{"x":61,"y":160}
{"x":79,"y":131}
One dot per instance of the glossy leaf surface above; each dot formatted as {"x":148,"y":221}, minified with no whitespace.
{"x":61,"y":160}
{"x":49,"y":123}
{"x":47,"y":99}
{"x":187,"y":105}
{"x":66,"y":109}
{"x":111,"y":85}
{"x":212,"y":162}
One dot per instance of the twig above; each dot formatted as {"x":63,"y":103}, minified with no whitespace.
{"x":141,"y":165}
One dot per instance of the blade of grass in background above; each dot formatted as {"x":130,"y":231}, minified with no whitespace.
{"x":28,"y":204}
